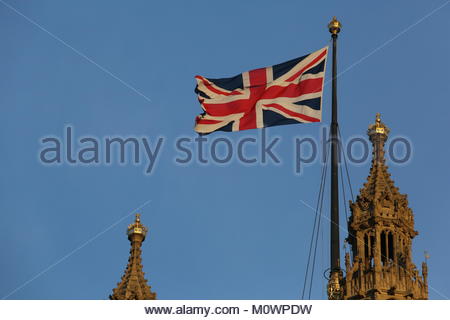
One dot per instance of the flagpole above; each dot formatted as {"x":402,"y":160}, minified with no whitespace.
{"x":334,"y":285}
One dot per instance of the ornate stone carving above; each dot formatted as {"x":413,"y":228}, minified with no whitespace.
{"x":381,"y":267}
{"x":133,"y":285}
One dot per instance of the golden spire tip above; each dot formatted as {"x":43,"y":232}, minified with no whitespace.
{"x":137,"y":227}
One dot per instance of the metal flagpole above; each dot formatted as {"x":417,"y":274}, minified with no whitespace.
{"x":334,"y":285}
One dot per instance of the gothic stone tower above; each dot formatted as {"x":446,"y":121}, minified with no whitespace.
{"x":381,"y":230}
{"x":133,"y":285}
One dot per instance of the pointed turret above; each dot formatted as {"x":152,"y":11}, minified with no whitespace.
{"x":133,"y":285}
{"x":379,"y":183}
{"x":381,"y":230}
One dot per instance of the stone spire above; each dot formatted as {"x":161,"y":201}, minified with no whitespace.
{"x":133,"y":285}
{"x":379,"y":182}
{"x":381,"y":230}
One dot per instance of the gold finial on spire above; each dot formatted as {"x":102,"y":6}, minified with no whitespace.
{"x":378,"y":127}
{"x":334,"y":26}
{"x":137,"y":228}
{"x":378,"y":134}
{"x":133,"y":285}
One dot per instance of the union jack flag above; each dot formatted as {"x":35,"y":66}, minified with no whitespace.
{"x":286,"y":93}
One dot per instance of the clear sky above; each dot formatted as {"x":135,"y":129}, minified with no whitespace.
{"x":230,"y":231}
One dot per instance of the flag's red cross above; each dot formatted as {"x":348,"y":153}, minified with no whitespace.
{"x":258,"y":89}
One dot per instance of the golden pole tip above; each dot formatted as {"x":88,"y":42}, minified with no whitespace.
{"x":334,"y":26}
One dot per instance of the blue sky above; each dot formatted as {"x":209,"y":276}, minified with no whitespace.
{"x":231,"y":231}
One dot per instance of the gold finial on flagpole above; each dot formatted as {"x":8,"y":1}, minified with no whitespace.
{"x":334,"y":26}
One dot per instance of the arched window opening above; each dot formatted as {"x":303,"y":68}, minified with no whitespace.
{"x":366,"y":246}
{"x":383,"y":247}
{"x":372,"y":250}
{"x":391,"y":246}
